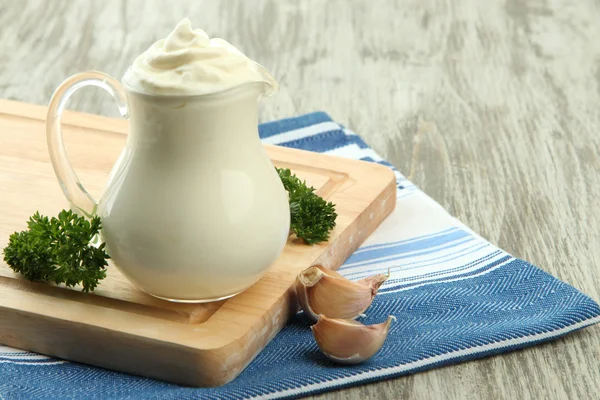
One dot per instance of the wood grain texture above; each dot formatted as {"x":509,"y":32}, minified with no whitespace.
{"x":489,"y":106}
{"x":204,"y":344}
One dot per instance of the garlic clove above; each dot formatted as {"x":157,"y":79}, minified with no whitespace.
{"x":375,"y":281}
{"x":323,"y":291}
{"x":348,"y":341}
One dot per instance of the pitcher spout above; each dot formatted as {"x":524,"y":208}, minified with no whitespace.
{"x":271,"y":86}
{"x":262,"y":83}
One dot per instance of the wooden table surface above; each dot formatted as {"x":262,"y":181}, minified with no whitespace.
{"x":491,"y":107}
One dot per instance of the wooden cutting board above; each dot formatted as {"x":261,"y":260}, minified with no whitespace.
{"x":118,"y":326}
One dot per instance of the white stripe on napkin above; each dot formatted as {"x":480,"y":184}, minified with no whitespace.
{"x":302,"y":133}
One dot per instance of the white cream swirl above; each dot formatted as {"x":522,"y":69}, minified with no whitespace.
{"x":188,"y":62}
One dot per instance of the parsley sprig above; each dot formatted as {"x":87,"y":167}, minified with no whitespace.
{"x":312,"y":218}
{"x":58,"y":250}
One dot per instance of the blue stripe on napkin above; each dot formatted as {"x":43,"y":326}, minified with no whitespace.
{"x":456,"y":298}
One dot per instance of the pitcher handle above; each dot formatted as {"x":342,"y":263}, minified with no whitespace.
{"x":79,"y":198}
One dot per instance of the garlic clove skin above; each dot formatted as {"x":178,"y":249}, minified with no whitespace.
{"x":323,"y":291}
{"x":375,"y":281}
{"x":348,"y":341}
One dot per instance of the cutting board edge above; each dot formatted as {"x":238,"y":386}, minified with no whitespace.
{"x":25,"y":325}
{"x":199,"y":364}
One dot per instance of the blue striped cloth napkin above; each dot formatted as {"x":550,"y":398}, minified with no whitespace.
{"x":457,"y":298}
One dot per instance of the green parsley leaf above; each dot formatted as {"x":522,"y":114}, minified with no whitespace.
{"x":312,"y":218}
{"x":59,"y":250}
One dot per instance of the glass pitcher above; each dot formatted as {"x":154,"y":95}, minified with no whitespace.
{"x":193,"y":210}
